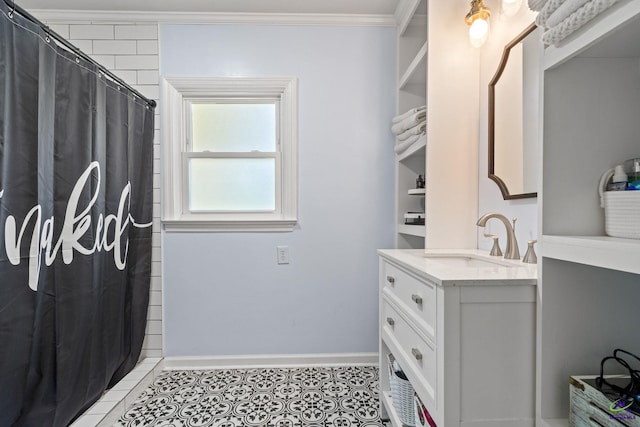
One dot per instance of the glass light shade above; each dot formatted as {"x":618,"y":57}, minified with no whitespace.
{"x":511,"y":7}
{"x":478,"y":32}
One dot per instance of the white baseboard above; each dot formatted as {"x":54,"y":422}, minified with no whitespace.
{"x":270,"y":361}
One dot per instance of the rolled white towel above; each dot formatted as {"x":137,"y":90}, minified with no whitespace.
{"x":563,"y":12}
{"x":409,"y":113}
{"x":576,"y":20}
{"x":416,"y":130}
{"x":536,"y":5}
{"x":403,"y":145}
{"x":409,"y":122}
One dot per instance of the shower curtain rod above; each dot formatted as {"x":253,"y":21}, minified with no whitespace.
{"x":15,"y":8}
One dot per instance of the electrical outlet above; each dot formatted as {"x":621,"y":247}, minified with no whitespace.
{"x":283,"y":254}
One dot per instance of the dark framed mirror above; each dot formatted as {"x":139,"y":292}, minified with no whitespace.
{"x":513,"y":125}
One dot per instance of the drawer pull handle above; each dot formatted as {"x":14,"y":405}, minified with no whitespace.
{"x":390,"y":321}
{"x":416,"y":353}
{"x":391,"y":280}
{"x":416,"y":298}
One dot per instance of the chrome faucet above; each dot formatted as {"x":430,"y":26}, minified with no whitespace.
{"x":512,"y":251}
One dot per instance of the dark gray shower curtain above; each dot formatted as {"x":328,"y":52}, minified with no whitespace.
{"x":75,"y":228}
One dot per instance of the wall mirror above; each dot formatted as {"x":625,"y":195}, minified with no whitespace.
{"x":513,"y":113}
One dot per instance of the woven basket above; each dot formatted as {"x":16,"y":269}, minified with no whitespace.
{"x":621,"y":210}
{"x":402,"y":396}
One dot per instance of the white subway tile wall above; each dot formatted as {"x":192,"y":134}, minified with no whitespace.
{"x":130,"y":51}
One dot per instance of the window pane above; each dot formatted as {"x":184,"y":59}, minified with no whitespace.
{"x":233,"y":127}
{"x":232,"y":184}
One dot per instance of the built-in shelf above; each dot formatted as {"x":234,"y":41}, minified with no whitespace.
{"x":391,"y":410}
{"x":412,"y":230}
{"x":411,"y":68}
{"x":586,"y":278}
{"x":416,"y":71}
{"x":609,"y":20}
{"x":417,"y":191}
{"x":599,"y":251}
{"x":417,"y":148}
{"x":407,"y":12}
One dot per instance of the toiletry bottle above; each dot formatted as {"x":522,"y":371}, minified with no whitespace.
{"x":420,"y":182}
{"x":619,"y":180}
{"x":632,"y":168}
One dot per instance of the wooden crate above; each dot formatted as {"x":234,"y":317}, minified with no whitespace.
{"x":590,"y":407}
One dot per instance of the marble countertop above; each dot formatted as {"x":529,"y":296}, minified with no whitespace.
{"x":500,"y":271}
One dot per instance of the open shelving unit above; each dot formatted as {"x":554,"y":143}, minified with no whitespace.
{"x":588,"y":282}
{"x":412,"y":50}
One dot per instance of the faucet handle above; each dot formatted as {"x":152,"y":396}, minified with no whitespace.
{"x":530,"y":257}
{"x":495,"y":249}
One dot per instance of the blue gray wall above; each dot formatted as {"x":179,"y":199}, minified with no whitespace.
{"x":224,"y":293}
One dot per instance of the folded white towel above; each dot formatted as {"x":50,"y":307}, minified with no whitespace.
{"x":416,"y":130}
{"x":576,"y":20}
{"x":402,"y":146}
{"x":409,"y":122}
{"x":536,"y":5}
{"x":548,"y":9}
{"x":563,"y":12}
{"x":409,"y":113}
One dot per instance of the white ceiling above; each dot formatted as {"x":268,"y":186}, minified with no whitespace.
{"x":359,"y":7}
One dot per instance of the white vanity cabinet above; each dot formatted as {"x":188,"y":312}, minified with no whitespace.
{"x":464,"y":336}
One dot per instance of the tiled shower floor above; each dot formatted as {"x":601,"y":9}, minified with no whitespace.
{"x":274,"y":397}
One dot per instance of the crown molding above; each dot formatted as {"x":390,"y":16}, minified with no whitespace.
{"x":102,"y":16}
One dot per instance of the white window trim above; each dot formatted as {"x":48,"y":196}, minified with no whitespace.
{"x":173,"y":135}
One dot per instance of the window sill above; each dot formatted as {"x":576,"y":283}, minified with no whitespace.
{"x":193,"y":226}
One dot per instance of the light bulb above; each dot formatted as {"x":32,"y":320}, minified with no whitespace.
{"x":511,"y":7}
{"x":478,"y":32}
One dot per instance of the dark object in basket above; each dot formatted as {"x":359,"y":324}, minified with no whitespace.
{"x":622,"y":390}
{"x":612,"y":394}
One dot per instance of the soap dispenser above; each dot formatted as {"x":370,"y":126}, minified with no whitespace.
{"x":619,"y":180}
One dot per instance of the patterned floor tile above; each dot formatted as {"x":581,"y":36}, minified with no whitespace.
{"x":274,"y":397}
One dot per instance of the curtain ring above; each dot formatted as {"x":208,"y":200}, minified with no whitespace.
{"x":10,"y":14}
{"x":46,"y":38}
{"x":77,"y":60}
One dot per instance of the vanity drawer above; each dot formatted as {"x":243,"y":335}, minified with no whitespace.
{"x":417,"y":296}
{"x":416,"y":353}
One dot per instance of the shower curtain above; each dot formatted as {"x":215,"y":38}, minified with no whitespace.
{"x":76,"y":154}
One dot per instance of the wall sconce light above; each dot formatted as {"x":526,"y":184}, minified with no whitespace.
{"x":511,"y":7}
{"x":478,"y":21}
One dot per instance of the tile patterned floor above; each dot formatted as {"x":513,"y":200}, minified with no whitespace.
{"x":278,"y":397}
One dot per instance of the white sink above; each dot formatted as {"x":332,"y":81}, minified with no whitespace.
{"x":466,"y":260}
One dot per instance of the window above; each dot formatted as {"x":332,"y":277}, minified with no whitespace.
{"x":229,"y":148}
